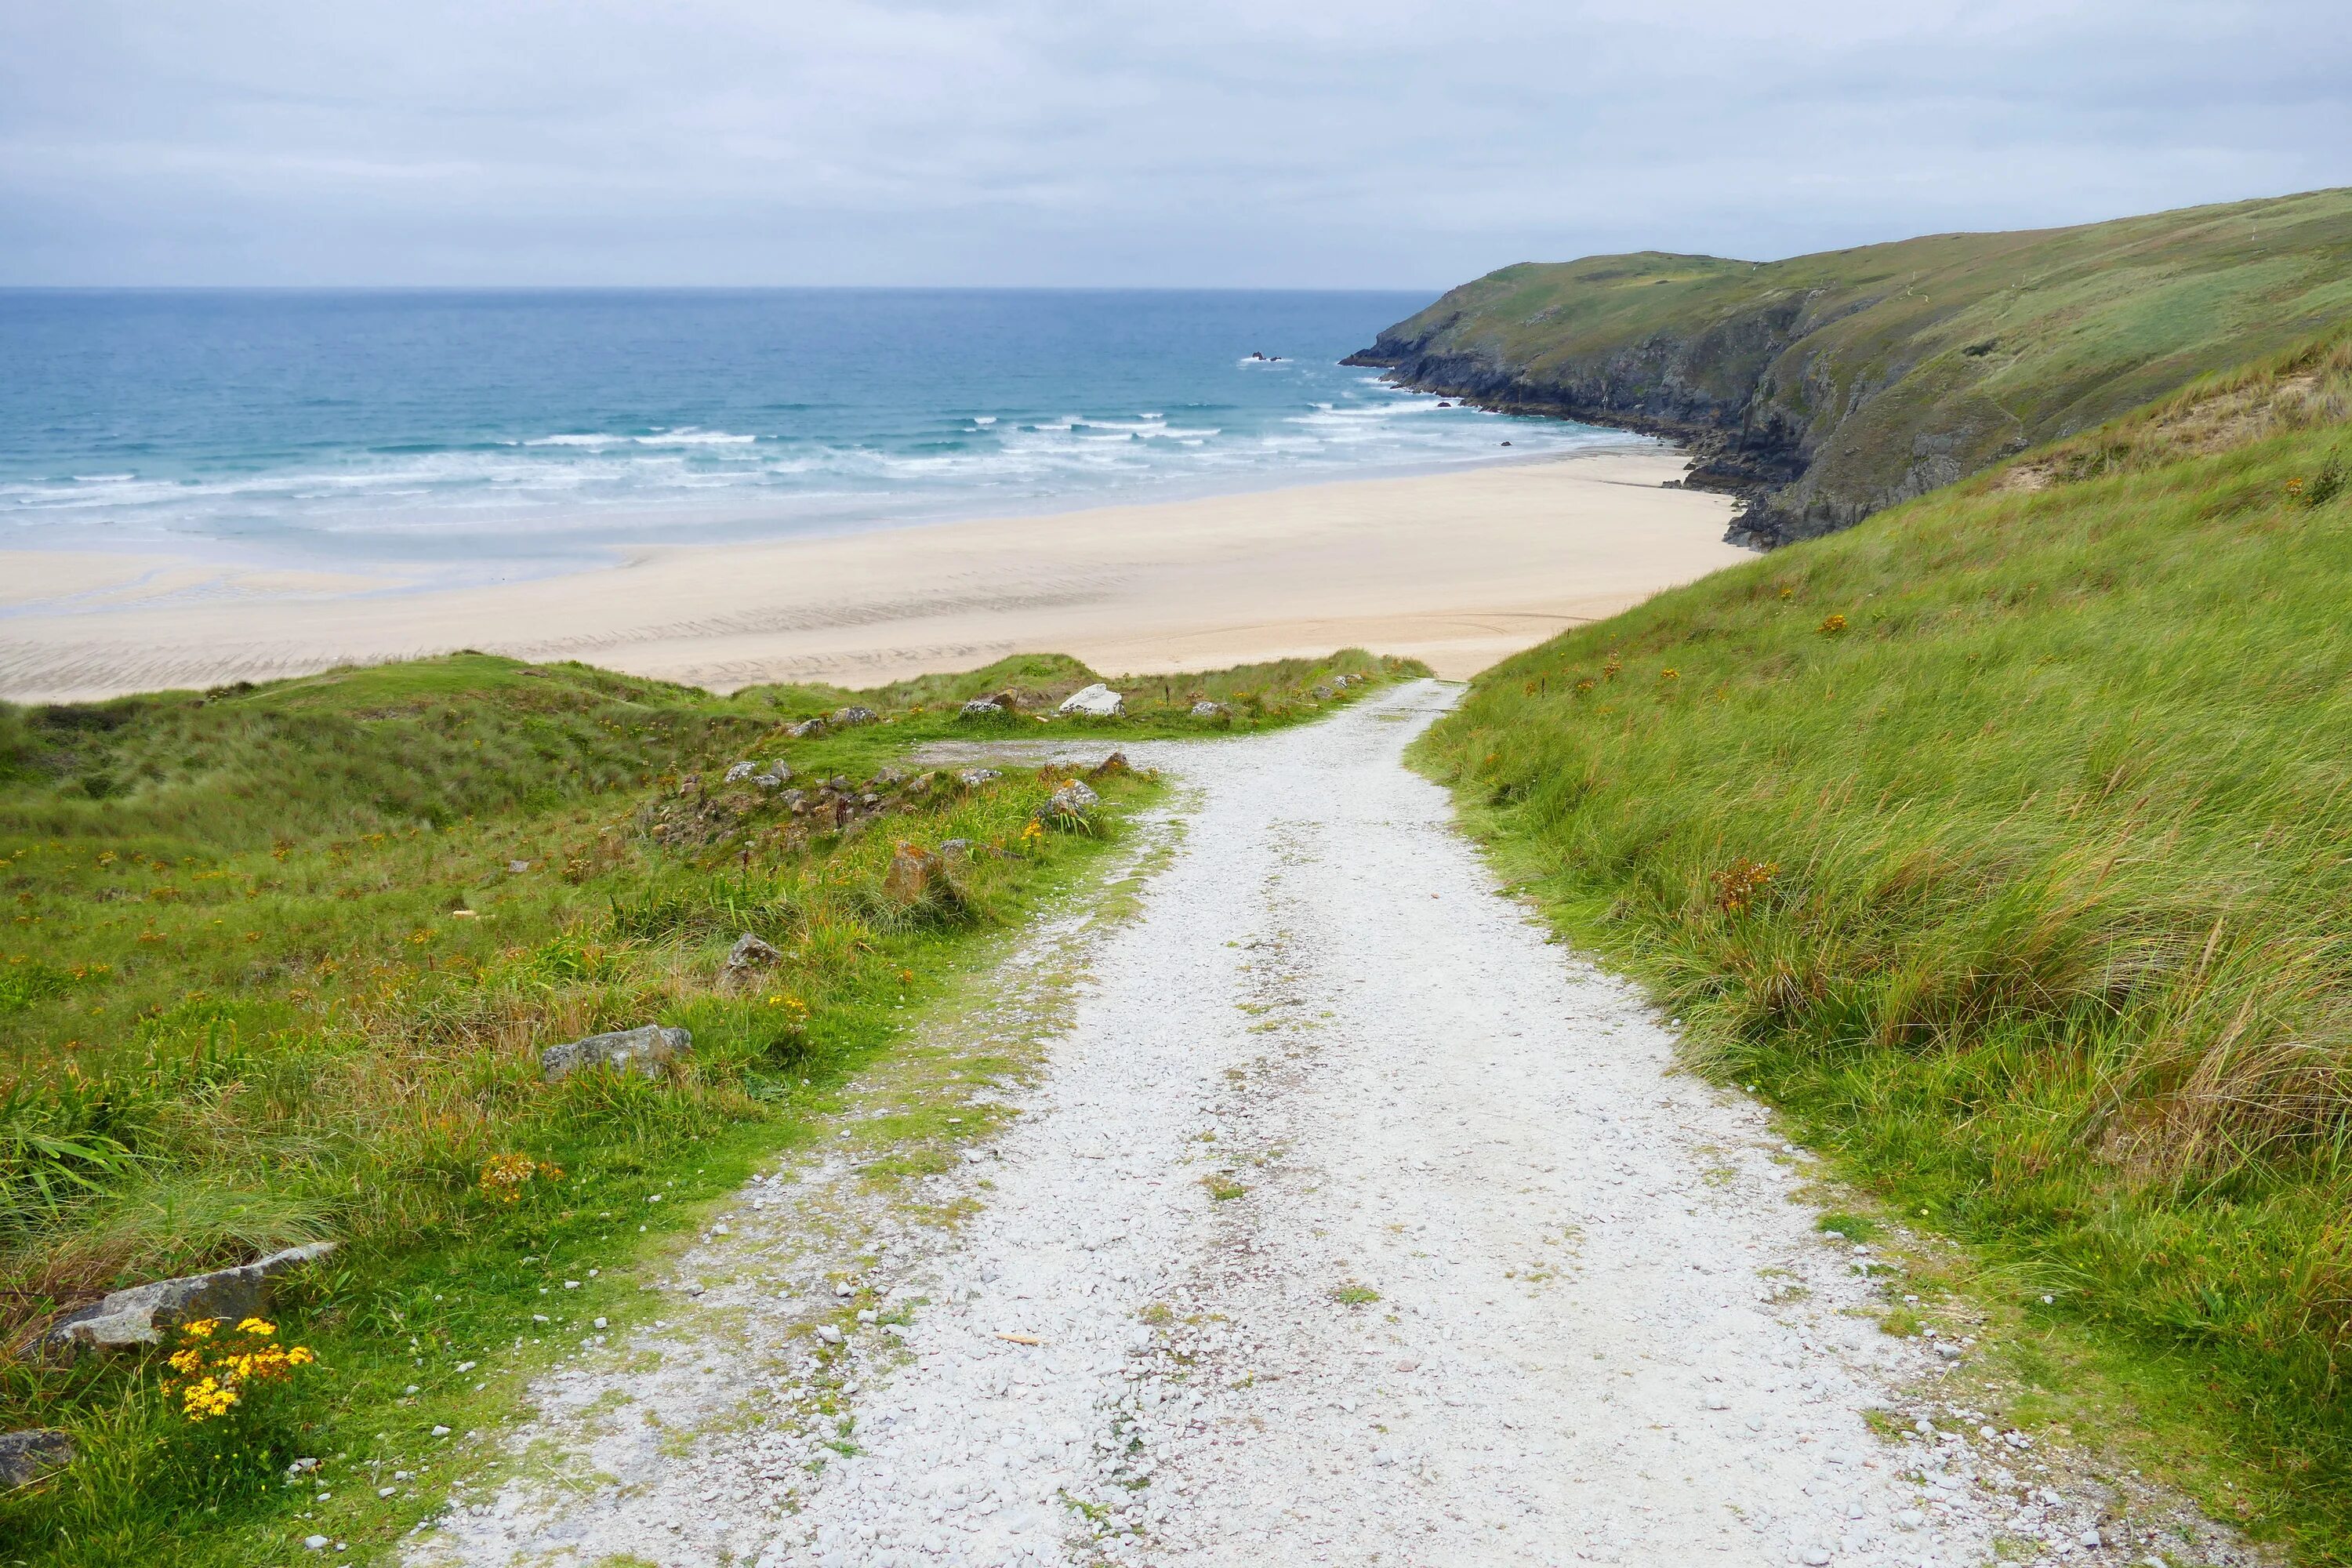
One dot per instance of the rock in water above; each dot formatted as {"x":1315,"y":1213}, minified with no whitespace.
{"x":1098,"y":701}
{"x":26,"y":1457}
{"x":748,"y":954}
{"x":139,"y":1315}
{"x":640,"y":1050}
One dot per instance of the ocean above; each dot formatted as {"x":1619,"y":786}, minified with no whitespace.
{"x":480,"y":434}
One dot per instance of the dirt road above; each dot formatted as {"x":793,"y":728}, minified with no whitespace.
{"x":1337,"y":1216}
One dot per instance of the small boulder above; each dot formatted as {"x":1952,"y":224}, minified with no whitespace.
{"x":986,"y":708}
{"x":806,"y":728}
{"x":640,"y":1050}
{"x":846,"y":717}
{"x":738,"y":772}
{"x":914,"y":873}
{"x":1211,"y":710}
{"x":955,"y":849}
{"x":1114,"y":763}
{"x":1323,"y":692}
{"x":748,"y":955}
{"x":972,"y":778}
{"x":1096,"y":701}
{"x":1074,"y":799}
{"x":139,"y":1315}
{"x":26,"y":1457}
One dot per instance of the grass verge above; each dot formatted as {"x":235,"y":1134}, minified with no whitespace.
{"x":2002,"y":842}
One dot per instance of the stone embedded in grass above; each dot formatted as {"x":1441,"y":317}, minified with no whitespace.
{"x":26,"y":1457}
{"x":915,"y":872}
{"x":748,"y":955}
{"x":642,"y":1050}
{"x":138,"y":1316}
{"x":1211,"y":710}
{"x":1097,"y":701}
{"x":846,"y":717}
{"x":1074,"y":800}
{"x":972,"y":778}
{"x":992,"y":709}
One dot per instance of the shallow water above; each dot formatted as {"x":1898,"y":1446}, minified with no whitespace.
{"x":474,"y":433}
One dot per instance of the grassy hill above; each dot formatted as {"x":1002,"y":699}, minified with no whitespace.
{"x":280,"y":961}
{"x":2005,"y":841}
{"x":1826,"y":388}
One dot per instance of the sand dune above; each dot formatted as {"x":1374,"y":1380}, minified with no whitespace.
{"x":1459,"y":569}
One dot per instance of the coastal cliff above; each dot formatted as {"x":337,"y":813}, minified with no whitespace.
{"x":1826,"y":388}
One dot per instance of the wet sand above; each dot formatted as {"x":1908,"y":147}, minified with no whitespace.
{"x":1459,"y":569}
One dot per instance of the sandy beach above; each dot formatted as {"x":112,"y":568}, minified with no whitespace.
{"x":1459,"y":569}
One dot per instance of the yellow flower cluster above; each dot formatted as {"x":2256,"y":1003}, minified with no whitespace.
{"x":215,"y":1372}
{"x":504,"y":1176}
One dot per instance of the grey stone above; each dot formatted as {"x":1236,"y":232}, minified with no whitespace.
{"x":972,"y":778}
{"x":955,"y":849}
{"x":805,"y":728}
{"x":640,"y":1050}
{"x":1211,"y":710}
{"x":26,"y":1457}
{"x":139,"y":1315}
{"x":990,"y":707}
{"x":748,"y":954}
{"x":738,"y":772}
{"x":854,"y":715}
{"x":1098,"y":701}
{"x":1075,"y":798}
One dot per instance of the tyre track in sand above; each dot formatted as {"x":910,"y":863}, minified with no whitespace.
{"x":1340,"y":1217}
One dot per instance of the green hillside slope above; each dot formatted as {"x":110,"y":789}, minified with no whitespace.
{"x":2005,"y":841}
{"x":1826,"y":388}
{"x":280,"y":961}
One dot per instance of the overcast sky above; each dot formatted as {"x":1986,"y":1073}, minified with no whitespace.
{"x":1282,"y":143}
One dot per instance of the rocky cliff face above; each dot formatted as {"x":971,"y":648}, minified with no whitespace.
{"x":1823,"y":388}
{"x":1717,"y":390}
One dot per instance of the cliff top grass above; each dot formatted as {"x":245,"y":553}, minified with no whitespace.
{"x":2002,"y":842}
{"x":1906,"y":366}
{"x":280,"y":961}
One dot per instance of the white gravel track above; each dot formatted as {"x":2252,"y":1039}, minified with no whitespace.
{"x":1353,"y":1221}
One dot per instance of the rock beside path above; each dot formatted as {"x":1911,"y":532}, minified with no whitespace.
{"x":1096,"y":701}
{"x":641,"y":1050}
{"x":138,"y":1316}
{"x":1074,"y":799}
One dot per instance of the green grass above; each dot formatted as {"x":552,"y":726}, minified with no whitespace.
{"x":280,"y":963}
{"x":1848,"y":381}
{"x":2005,"y":842}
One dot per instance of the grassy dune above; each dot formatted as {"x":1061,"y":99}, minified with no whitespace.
{"x":280,"y":961}
{"x":1835,"y":385}
{"x":2005,"y":841}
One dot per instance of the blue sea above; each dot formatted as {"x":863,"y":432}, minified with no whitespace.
{"x":479,"y":435}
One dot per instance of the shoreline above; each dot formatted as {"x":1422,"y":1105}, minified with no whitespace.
{"x":1459,"y":567}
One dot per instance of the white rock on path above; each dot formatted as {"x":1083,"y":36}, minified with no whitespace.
{"x":1345,"y":1224}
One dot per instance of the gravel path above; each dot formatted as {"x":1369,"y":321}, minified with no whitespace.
{"x":1337,"y":1217}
